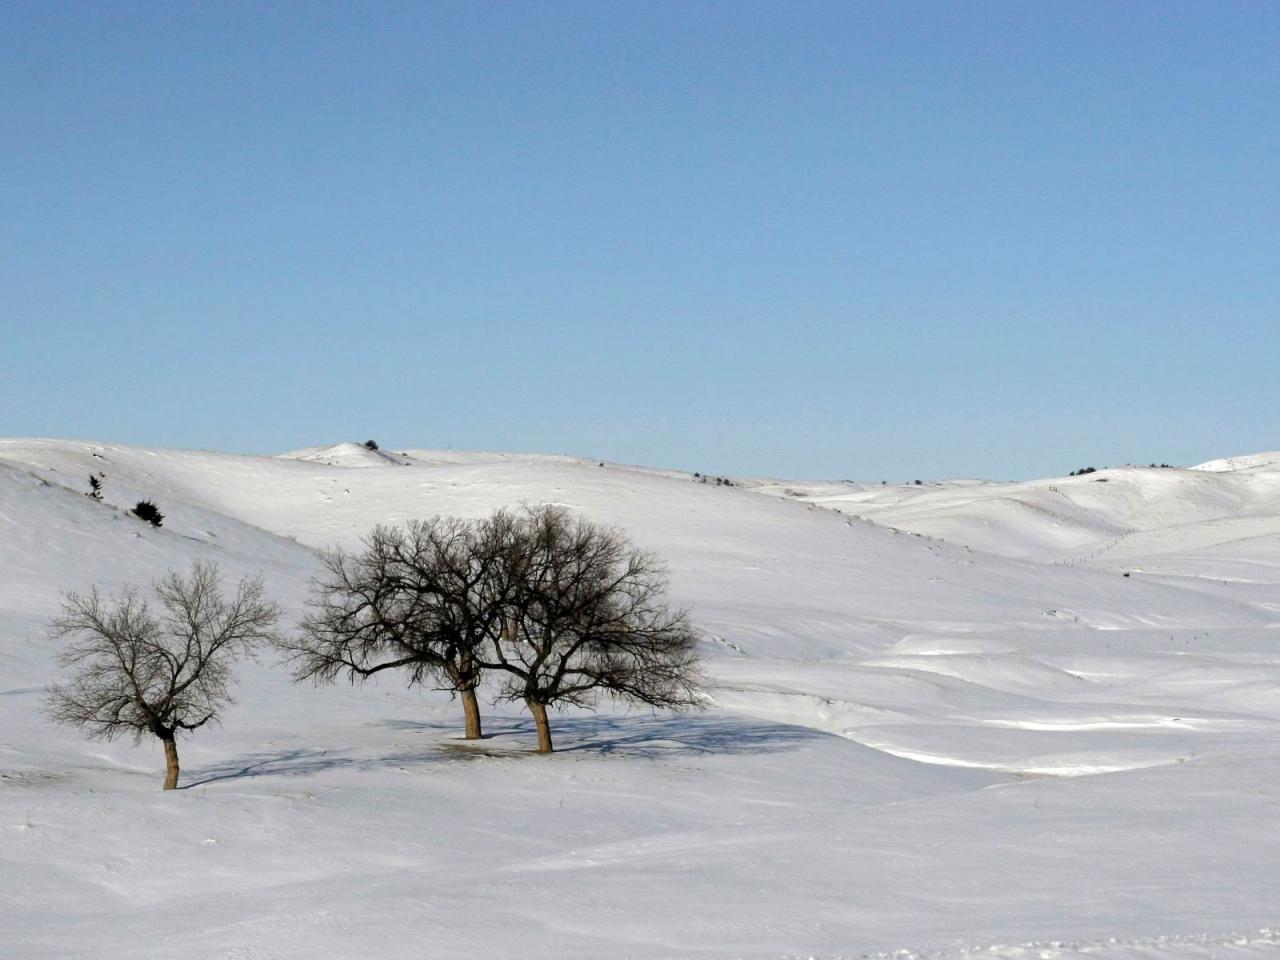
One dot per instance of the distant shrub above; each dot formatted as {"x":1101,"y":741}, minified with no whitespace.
{"x":718,"y":481}
{"x":148,"y":511}
{"x":371,"y":444}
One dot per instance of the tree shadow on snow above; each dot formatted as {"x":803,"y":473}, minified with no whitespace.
{"x":645,"y":737}
{"x":262,"y":765}
{"x":663,"y":736}
{"x":293,"y":763}
{"x":635,"y":735}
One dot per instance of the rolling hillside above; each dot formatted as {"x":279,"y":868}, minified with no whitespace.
{"x":945,"y":723}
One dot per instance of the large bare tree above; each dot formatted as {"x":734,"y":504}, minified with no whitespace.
{"x":422,"y":599}
{"x":588,"y":616}
{"x":137,"y":672}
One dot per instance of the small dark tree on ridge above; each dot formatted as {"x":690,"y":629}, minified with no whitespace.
{"x":148,"y":511}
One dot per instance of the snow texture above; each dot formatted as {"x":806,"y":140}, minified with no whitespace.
{"x":947,"y":725}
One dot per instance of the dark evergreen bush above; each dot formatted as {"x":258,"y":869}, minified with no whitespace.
{"x":148,"y":511}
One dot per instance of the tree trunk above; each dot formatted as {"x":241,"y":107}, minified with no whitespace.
{"x":539,"y":711}
{"x":471,"y":710}
{"x":171,"y":763}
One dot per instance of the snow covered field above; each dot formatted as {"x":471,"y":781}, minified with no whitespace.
{"x":946,"y":725}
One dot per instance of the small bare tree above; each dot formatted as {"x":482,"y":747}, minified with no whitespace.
{"x":588,"y":617}
{"x":423,"y":599}
{"x":137,"y":672}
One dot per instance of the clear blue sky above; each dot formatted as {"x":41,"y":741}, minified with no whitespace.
{"x":870,"y":240}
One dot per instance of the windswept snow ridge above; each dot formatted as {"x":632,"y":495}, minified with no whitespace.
{"x":1210,"y":521}
{"x":945,"y":719}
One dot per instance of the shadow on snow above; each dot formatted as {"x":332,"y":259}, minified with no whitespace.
{"x":639,"y":737}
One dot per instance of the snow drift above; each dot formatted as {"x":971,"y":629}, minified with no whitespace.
{"x":946,"y":723}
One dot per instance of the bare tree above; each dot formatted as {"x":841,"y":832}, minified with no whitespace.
{"x":137,"y":672}
{"x":422,"y":599}
{"x":588,"y":616}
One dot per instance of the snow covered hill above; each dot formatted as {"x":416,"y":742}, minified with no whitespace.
{"x":1224,"y":515}
{"x":1269,"y":462}
{"x":946,"y":723}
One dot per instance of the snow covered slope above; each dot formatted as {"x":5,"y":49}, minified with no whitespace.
{"x":952,"y":747}
{"x":1226,"y":513}
{"x":1254,"y":461}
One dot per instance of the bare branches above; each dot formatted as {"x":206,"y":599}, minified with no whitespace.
{"x":136,"y":671}
{"x":561,"y":609}
{"x":587,"y":615}
{"x":423,"y":599}
{"x":117,"y":649}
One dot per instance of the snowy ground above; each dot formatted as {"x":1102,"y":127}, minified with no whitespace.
{"x":980,"y":743}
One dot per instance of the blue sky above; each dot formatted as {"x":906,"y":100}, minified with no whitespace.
{"x":870,"y":240}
